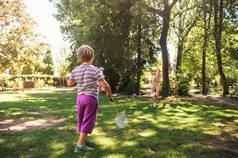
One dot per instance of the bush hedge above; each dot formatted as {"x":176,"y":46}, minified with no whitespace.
{"x":7,"y":81}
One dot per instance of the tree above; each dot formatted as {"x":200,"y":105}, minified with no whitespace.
{"x":184,"y":20}
{"x":62,"y":64}
{"x":218,"y":28}
{"x":143,"y":34}
{"x":62,"y":61}
{"x":206,"y":27}
{"x":127,"y":38}
{"x":165,"y":14}
{"x":119,"y":34}
{"x":48,"y":64}
{"x":18,"y":42}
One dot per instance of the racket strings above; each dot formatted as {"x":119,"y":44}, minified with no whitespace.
{"x":121,"y":118}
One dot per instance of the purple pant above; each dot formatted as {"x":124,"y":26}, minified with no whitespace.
{"x":87,"y":107}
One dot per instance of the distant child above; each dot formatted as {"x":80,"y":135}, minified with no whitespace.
{"x":14,"y":86}
{"x":155,"y":86}
{"x":87,"y":78}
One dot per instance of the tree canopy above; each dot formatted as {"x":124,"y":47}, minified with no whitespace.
{"x":20,"y":45}
{"x":128,"y":37}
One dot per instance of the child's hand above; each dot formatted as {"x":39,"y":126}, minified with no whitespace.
{"x":109,"y":94}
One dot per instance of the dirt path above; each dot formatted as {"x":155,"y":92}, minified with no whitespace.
{"x":12,"y":125}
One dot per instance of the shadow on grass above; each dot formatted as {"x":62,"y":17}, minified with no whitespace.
{"x":169,"y":130}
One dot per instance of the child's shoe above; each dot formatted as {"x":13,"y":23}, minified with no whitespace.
{"x":82,"y":149}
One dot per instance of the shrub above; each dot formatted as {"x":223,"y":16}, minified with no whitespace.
{"x":50,"y":82}
{"x":130,"y":88}
{"x":180,"y":84}
{"x":40,"y":83}
{"x":10,"y":84}
{"x":45,"y":80}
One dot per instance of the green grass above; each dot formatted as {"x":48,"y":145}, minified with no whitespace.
{"x":177,"y":128}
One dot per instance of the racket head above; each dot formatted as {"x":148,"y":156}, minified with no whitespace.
{"x":121,"y":120}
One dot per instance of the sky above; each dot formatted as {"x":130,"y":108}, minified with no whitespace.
{"x":42,"y":13}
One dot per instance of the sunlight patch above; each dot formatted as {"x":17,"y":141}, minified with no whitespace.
{"x":57,"y":146}
{"x":25,"y":125}
{"x":27,"y":139}
{"x":147,"y":133}
{"x":235,"y":135}
{"x":219,"y":124}
{"x":188,"y":120}
{"x":12,"y":97}
{"x":209,"y":131}
{"x":106,"y":142}
{"x":98,"y":132}
{"x":116,"y":156}
{"x":2,"y":140}
{"x":154,"y":121}
{"x":58,"y":150}
{"x":138,"y":113}
{"x":17,"y":113}
{"x":192,"y":145}
{"x":142,"y":117}
{"x":136,"y":120}
{"x":129,"y":143}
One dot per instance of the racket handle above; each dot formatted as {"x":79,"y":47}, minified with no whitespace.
{"x":111,"y":100}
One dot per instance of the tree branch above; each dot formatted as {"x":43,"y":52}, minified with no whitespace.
{"x":172,"y":4}
{"x":166,"y":4}
{"x":153,"y":10}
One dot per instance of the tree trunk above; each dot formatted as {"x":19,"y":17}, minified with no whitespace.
{"x":218,"y":15}
{"x":139,"y":62}
{"x":204,"y":77}
{"x":163,"y":44}
{"x":204,"y":52}
{"x":180,"y":41}
{"x":179,"y":55}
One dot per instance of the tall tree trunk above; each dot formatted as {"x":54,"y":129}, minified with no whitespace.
{"x":180,"y":40}
{"x":139,"y":62}
{"x":218,"y":19}
{"x":204,"y":77}
{"x":204,"y":49}
{"x":179,"y":55}
{"x":163,"y":44}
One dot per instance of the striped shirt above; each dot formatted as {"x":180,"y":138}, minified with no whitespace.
{"x":86,"y":77}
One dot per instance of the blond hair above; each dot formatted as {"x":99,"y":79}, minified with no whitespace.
{"x":85,"y":53}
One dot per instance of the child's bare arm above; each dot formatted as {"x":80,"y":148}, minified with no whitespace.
{"x":106,"y":87}
{"x":70,"y":83}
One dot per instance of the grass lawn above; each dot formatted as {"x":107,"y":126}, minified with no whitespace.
{"x":177,"y":128}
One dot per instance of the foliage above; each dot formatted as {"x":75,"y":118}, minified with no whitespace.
{"x":181,"y":83}
{"x":48,"y":64}
{"x":125,"y":36}
{"x":184,"y":18}
{"x":193,"y":51}
{"x":63,"y":62}
{"x":19,"y":45}
{"x":112,"y":29}
{"x":42,"y":80}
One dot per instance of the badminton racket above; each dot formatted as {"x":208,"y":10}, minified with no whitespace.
{"x":121,"y":118}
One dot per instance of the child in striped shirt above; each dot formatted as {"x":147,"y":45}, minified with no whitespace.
{"x":88,"y":78}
